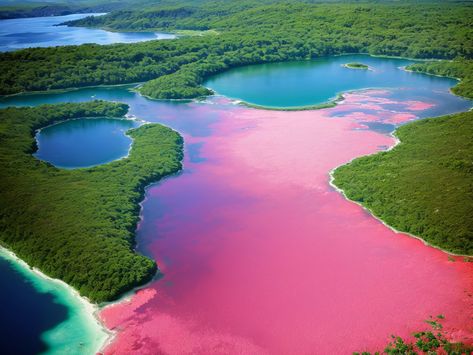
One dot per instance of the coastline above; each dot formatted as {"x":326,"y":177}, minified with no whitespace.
{"x":84,"y":322}
{"x":342,"y":192}
{"x":66,"y":90}
{"x":348,"y":66}
{"x":134,"y":86}
{"x":396,"y":142}
{"x":86,"y":311}
{"x":125,"y":133}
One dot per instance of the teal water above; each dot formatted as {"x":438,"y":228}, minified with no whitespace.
{"x":41,"y":316}
{"x":84,"y":142}
{"x":304,"y":83}
{"x":194,"y":120}
{"x":44,"y":32}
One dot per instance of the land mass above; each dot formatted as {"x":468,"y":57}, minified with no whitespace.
{"x":356,"y":66}
{"x":78,"y":225}
{"x":11,"y":9}
{"x":176,"y":69}
{"x":424,"y":185}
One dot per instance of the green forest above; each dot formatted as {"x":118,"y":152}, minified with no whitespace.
{"x":244,"y":33}
{"x":424,"y":186}
{"x":78,"y":225}
{"x":430,"y":341}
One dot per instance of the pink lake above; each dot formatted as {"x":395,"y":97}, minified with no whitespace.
{"x":261,"y":255}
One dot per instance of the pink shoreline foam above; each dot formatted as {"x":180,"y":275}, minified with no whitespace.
{"x":260,"y":255}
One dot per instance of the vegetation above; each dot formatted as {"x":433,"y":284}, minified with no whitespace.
{"x":357,"y":66}
{"x":38,"y":9}
{"x":78,"y":225}
{"x":426,"y":342}
{"x":424,"y":186}
{"x":248,"y":33}
{"x":460,"y":68}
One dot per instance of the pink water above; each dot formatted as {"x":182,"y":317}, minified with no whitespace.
{"x":261,"y":255}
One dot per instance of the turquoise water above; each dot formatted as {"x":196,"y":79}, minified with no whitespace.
{"x":84,"y":142}
{"x":317,"y":81}
{"x":44,"y":32}
{"x":43,"y":316}
{"x":63,"y":145}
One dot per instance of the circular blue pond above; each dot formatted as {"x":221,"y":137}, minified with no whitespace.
{"x":84,"y":142}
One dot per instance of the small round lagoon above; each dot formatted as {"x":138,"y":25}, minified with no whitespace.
{"x":84,"y":143}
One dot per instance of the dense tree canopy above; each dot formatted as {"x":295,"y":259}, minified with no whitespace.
{"x":248,"y":33}
{"x":424,"y":186}
{"x":78,"y":225}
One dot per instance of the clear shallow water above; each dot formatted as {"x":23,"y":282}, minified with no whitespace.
{"x":84,"y":142}
{"x":41,"y":316}
{"x":259,"y":253}
{"x":318,"y":81}
{"x":42,"y":32}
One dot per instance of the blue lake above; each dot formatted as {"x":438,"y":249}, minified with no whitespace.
{"x":84,"y":142}
{"x":312,"y":82}
{"x":43,"y":32}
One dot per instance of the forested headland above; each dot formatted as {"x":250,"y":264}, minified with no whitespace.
{"x":248,"y":33}
{"x":78,"y":225}
{"x":424,"y":186}
{"x":461,"y":69}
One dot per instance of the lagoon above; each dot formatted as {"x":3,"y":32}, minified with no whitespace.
{"x":317,"y":81}
{"x":44,"y":32}
{"x":84,"y":142}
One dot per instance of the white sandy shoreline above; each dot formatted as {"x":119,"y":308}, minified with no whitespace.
{"x":90,"y":308}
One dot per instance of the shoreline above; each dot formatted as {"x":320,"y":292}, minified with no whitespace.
{"x":348,"y":66}
{"x":342,"y":192}
{"x":66,"y":90}
{"x":91,"y":309}
{"x":134,"y":86}
{"x":127,"y":296}
{"x":125,"y":133}
{"x":396,"y":143}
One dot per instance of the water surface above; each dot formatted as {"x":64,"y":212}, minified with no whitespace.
{"x":84,"y":142}
{"x":312,"y":82}
{"x":43,"y":32}
{"x":42,"y":316}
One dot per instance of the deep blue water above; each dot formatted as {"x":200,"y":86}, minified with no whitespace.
{"x":84,"y":142}
{"x":42,"y":32}
{"x":26,"y":313}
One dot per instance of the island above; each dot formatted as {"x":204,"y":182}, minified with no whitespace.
{"x":356,"y":66}
{"x":79,"y":225}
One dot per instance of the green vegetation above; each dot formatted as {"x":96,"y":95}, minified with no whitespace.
{"x":248,"y":33}
{"x":460,"y":68}
{"x":10,"y":9}
{"x":357,"y":66}
{"x":426,"y":342}
{"x":78,"y":225}
{"x":424,"y":186}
